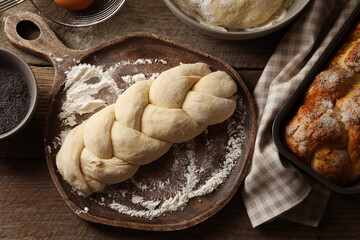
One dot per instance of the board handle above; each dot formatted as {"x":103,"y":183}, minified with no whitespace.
{"x":29,"y":32}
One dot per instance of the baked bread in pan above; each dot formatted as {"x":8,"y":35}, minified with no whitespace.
{"x":325,"y":132}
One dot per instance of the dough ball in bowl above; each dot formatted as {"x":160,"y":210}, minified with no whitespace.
{"x":236,"y":19}
{"x":235,"y":14}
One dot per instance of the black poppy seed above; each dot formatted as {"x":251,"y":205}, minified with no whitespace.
{"x":14,"y":98}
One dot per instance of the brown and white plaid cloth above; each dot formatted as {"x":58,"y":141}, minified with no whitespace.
{"x":273,"y":187}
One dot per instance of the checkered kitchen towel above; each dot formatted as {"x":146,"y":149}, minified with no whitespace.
{"x":274,"y":187}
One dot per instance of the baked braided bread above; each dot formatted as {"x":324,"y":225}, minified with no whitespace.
{"x":325,"y":132}
{"x":143,"y":124}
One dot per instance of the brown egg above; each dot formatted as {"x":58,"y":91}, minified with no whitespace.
{"x":74,"y":4}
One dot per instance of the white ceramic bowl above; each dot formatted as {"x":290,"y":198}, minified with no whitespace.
{"x":293,"y":11}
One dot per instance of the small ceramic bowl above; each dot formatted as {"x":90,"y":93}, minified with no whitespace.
{"x":9,"y":59}
{"x":293,"y":11}
{"x":99,"y":11}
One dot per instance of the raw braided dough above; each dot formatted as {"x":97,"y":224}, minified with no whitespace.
{"x":143,"y":124}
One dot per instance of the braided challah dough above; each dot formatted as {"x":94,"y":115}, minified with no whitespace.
{"x":325,"y":132}
{"x":143,"y":124}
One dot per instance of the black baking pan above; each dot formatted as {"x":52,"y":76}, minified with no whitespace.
{"x":295,"y":102}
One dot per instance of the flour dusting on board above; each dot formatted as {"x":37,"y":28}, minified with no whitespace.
{"x":131,"y":79}
{"x":80,"y":92}
{"x":189,"y":177}
{"x":161,"y":197}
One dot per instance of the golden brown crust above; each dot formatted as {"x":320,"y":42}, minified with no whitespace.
{"x":325,"y":132}
{"x":354,"y":150}
{"x":334,"y":164}
{"x":331,"y":84}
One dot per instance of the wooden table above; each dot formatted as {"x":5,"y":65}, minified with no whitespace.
{"x":30,"y":206}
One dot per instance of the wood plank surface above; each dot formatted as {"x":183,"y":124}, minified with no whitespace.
{"x":31,"y":137}
{"x":154,"y":17}
{"x":31,"y":208}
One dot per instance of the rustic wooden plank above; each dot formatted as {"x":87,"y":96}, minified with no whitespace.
{"x":250,"y":77}
{"x":32,"y":136}
{"x":154,"y":17}
{"x":31,"y":207}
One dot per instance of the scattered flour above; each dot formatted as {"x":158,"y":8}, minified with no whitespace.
{"x":192,"y":175}
{"x":137,"y":199}
{"x":86,"y":210}
{"x":112,"y":70}
{"x":162,"y":61}
{"x":131,"y":79}
{"x":80,"y":100}
{"x":143,"y":61}
{"x":139,"y":185}
{"x":79,"y":93}
{"x":59,"y":60}
{"x":58,"y":141}
{"x":49,"y":148}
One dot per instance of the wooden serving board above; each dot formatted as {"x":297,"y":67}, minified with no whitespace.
{"x":209,"y":148}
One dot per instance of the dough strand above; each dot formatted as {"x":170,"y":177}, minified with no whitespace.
{"x":143,"y":124}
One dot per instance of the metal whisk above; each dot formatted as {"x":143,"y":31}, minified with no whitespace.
{"x":99,"y":11}
{"x":6,"y":4}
